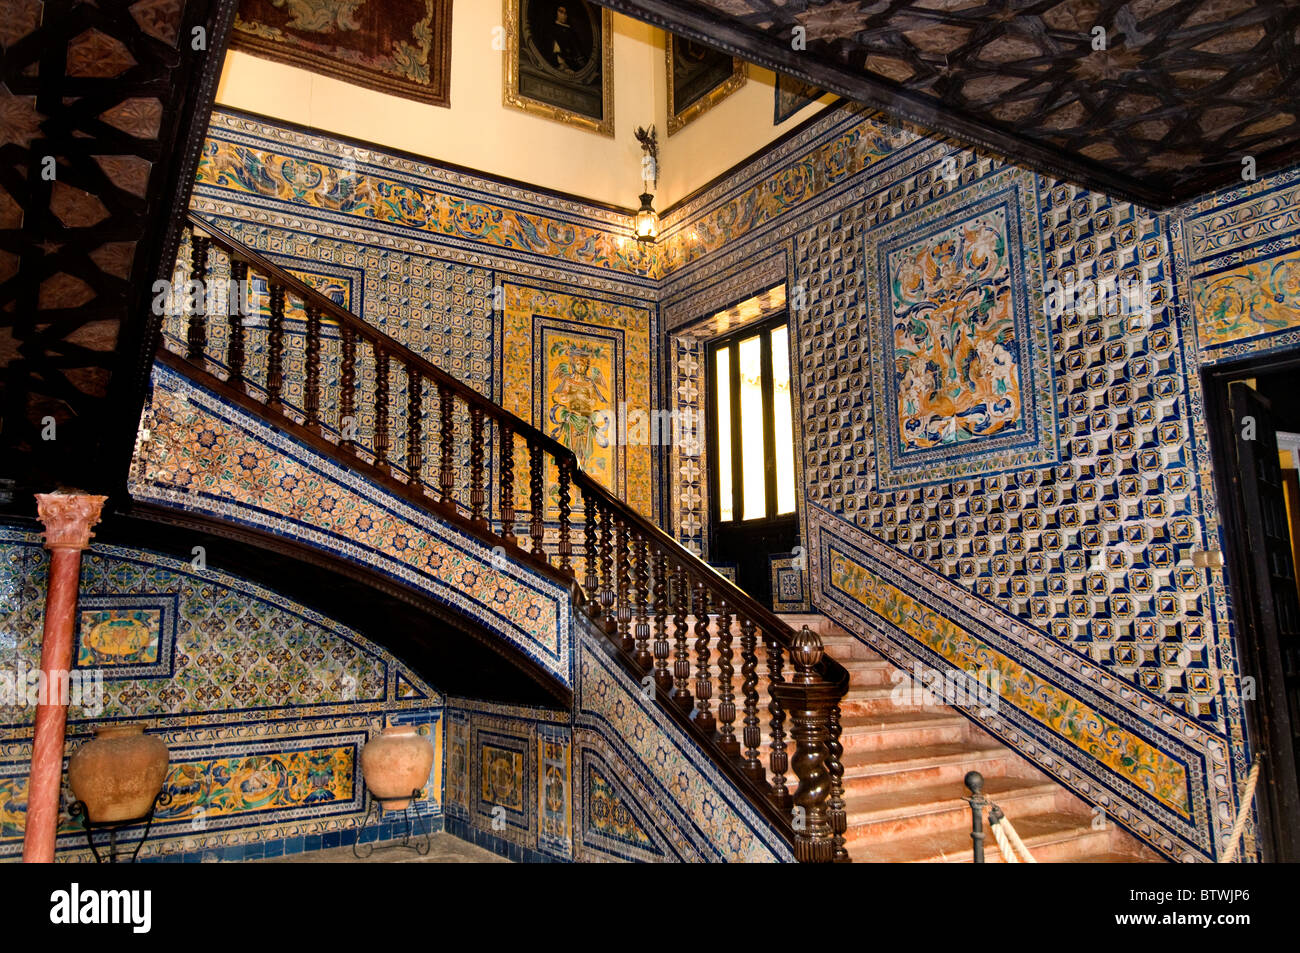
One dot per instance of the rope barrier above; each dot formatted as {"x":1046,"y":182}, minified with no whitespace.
{"x":1243,"y":812}
{"x":1009,"y":842}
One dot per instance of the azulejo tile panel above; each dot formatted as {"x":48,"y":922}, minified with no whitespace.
{"x":789,"y":582}
{"x":207,"y":456}
{"x":1243,"y":253}
{"x":263,"y":703}
{"x":569,"y":358}
{"x":508,"y":778}
{"x":961,"y":355}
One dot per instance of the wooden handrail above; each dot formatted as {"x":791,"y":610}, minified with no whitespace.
{"x":637,"y":579}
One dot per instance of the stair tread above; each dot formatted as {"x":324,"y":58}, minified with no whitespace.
{"x":910,"y":801}
{"x":901,"y":720}
{"x":1049,"y":827}
{"x":895,"y":759}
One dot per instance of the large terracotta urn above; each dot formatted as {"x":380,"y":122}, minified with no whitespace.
{"x":118,"y":773}
{"x":396,"y":763}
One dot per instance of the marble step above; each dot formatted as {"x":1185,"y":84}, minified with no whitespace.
{"x":1051,"y":836}
{"x":922,"y":809}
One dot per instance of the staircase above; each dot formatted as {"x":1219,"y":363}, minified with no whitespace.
{"x":903,"y":771}
{"x":795,"y":711}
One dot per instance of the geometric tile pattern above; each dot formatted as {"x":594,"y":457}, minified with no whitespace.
{"x":226,"y":650}
{"x":789,"y":582}
{"x":643,"y":779}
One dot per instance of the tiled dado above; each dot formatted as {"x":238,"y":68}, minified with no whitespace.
{"x":264,"y":704}
{"x":1149,"y":766}
{"x":647,"y":791}
{"x":207,"y":456}
{"x":508,"y":779}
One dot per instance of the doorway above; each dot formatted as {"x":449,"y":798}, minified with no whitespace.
{"x":1253,"y":409}
{"x":753,"y":503}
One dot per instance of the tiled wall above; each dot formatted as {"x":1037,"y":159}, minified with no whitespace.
{"x":263,"y":703}
{"x":544,"y":304}
{"x":1036,"y":511}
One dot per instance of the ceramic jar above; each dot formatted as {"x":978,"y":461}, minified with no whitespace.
{"x":118,"y":773}
{"x":396,"y":763}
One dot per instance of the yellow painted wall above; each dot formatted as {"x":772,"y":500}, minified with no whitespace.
{"x":725,"y":136}
{"x":479,"y":132}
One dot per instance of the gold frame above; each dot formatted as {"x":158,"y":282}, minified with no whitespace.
{"x":512,"y":97}
{"x":706,"y":102}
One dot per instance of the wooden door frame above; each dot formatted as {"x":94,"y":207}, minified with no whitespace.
{"x":1279,"y":803}
{"x":735,"y":335}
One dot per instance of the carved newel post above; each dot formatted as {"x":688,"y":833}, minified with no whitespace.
{"x":808,"y":699}
{"x":68,"y":516}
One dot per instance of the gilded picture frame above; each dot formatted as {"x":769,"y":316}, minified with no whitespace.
{"x":698,"y":80}
{"x":559,"y":57}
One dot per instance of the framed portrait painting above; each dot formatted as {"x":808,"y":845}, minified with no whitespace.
{"x":699,"y":77}
{"x":559,"y":62}
{"x":792,"y":95}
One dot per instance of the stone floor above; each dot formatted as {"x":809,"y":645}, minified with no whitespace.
{"x":445,"y":849}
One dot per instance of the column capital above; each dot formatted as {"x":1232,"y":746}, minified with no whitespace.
{"x":68,"y":516}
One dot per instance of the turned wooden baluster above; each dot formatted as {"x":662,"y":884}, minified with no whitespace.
{"x":536,"y":525}
{"x":235,"y":320}
{"x":752,"y":734}
{"x":415,"y":428}
{"x":347,"y":387}
{"x":835,"y":766}
{"x":565,"y":466}
{"x":809,"y":698}
{"x":623,"y":607}
{"x":311,"y":392}
{"x":726,"y":695}
{"x":197,"y":331}
{"x":703,"y":683}
{"x":641,"y":590}
{"x":506,"y":488}
{"x":662,"y":678}
{"x":606,"y":571}
{"x":682,"y":657}
{"x":446,"y":472}
{"x":477,"y":494}
{"x":591,"y":560}
{"x":381,"y":407}
{"x":778,"y":759}
{"x":275,"y":348}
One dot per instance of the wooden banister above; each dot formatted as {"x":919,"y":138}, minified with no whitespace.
{"x":636,"y":580}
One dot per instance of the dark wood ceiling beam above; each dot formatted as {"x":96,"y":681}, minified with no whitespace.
{"x":685,"y":19}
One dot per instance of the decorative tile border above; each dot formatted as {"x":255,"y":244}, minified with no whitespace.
{"x":209,"y":457}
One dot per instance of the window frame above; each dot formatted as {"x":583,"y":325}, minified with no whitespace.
{"x":731,"y":341}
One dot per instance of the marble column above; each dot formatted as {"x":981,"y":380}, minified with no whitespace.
{"x":68,"y":516}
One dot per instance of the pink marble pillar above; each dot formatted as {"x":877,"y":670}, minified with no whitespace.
{"x":68,"y":516}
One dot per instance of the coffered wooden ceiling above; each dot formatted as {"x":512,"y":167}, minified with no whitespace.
{"x":1182,"y":92}
{"x":102,"y":110}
